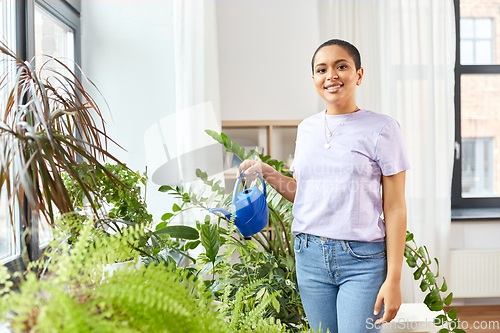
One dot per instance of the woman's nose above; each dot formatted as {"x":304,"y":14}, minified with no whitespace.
{"x":332,"y":74}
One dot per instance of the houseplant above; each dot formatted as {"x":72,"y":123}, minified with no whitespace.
{"x":49,"y":125}
{"x":278,"y":246}
{"x":75,"y":297}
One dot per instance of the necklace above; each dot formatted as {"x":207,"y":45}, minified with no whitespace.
{"x":329,"y":134}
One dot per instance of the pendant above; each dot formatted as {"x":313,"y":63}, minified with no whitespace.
{"x":327,"y":145}
{"x":330,"y":134}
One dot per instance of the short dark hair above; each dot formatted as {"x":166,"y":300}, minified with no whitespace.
{"x":351,"y":49}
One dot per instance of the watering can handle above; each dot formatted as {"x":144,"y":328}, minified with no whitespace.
{"x":238,"y":184}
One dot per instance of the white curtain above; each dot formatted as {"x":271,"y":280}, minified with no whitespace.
{"x":196,"y":94}
{"x":408,"y":52}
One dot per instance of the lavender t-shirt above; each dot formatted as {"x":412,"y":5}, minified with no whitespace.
{"x":339,"y":189}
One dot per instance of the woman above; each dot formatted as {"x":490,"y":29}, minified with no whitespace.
{"x":349,"y":168}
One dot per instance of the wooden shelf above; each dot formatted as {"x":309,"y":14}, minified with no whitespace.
{"x":259,"y":123}
{"x":269,"y":125}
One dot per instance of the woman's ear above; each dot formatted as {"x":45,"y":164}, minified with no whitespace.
{"x":360,"y":76}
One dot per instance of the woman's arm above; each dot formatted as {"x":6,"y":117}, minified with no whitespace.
{"x":285,"y":186}
{"x":394,"y":205}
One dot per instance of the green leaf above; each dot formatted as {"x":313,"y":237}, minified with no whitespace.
{"x":225,"y":141}
{"x":214,"y":135}
{"x":418,"y":273}
{"x":166,"y":216}
{"x":176,"y":208}
{"x":436,"y":306}
{"x":444,"y":287}
{"x":206,"y":268}
{"x":421,"y":251}
{"x":210,"y":239}
{"x":179,"y":231}
{"x":453,"y":313}
{"x":437,"y":264}
{"x":411,"y":261}
{"x":448,"y":299}
{"x":434,"y":294}
{"x":165,"y":188}
{"x":430,"y":277}
{"x":207,"y":218}
{"x":276,"y":305}
{"x":409,"y":236}
{"x":440,"y":320}
{"x":161,"y":225}
{"x":424,"y":285}
{"x":260,"y":293}
{"x":202,"y":175}
{"x":458,"y":330}
{"x":191,"y":245}
{"x":235,"y":148}
{"x":431,"y":297}
{"x":444,"y":330}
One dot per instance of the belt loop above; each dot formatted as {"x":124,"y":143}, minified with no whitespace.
{"x":344,"y":245}
{"x":306,"y":241}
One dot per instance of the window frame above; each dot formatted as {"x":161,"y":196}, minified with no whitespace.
{"x":457,"y":201}
{"x":68,"y":12}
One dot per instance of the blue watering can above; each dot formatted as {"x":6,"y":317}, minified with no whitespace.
{"x":252,"y":213}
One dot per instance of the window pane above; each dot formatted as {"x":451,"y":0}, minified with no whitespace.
{"x":482,"y":28}
{"x":483,"y":53}
{"x":466,"y":28}
{"x":480,"y":126}
{"x":52,"y":38}
{"x":467,"y":52}
{"x":9,"y":237}
{"x":479,"y":21}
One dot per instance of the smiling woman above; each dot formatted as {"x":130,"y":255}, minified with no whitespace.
{"x":348,"y":259}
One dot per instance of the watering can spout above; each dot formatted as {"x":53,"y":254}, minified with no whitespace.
{"x":228,"y":215}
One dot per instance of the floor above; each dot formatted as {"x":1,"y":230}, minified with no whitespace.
{"x":479,"y":319}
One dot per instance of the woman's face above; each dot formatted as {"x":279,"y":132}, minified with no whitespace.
{"x":335,"y":75}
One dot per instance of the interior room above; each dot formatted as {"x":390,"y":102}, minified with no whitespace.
{"x":166,"y":100}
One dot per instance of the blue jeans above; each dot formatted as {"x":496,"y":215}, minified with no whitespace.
{"x":339,"y":282}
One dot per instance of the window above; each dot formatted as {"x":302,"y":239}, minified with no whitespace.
{"x":476,"y":41}
{"x":9,"y":229}
{"x":476,"y":175}
{"x":43,"y":28}
{"x":477,"y":167}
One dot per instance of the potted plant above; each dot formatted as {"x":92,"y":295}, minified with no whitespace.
{"x":49,"y":125}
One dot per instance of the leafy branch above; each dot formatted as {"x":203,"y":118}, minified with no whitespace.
{"x":434,"y":301}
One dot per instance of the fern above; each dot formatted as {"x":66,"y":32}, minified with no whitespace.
{"x":77,"y":297}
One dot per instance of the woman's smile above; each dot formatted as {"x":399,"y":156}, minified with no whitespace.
{"x":333,"y":87}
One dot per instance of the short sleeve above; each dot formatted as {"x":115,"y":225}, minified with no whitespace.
{"x":391,"y":151}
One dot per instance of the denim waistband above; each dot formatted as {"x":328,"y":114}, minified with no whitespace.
{"x":314,"y":238}
{"x":326,"y":240}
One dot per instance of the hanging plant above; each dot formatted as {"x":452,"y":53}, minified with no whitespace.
{"x":418,"y":257}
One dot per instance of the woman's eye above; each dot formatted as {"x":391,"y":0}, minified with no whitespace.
{"x":342,"y":67}
{"x":321,"y":70}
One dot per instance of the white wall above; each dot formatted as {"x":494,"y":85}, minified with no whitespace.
{"x":127,"y":51}
{"x":265,"y":50}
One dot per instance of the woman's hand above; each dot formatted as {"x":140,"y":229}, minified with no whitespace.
{"x":390,"y":294}
{"x":285,"y":186}
{"x":251,"y":168}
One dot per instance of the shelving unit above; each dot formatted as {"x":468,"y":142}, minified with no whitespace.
{"x":268,"y":125}
{"x":276,"y":136}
